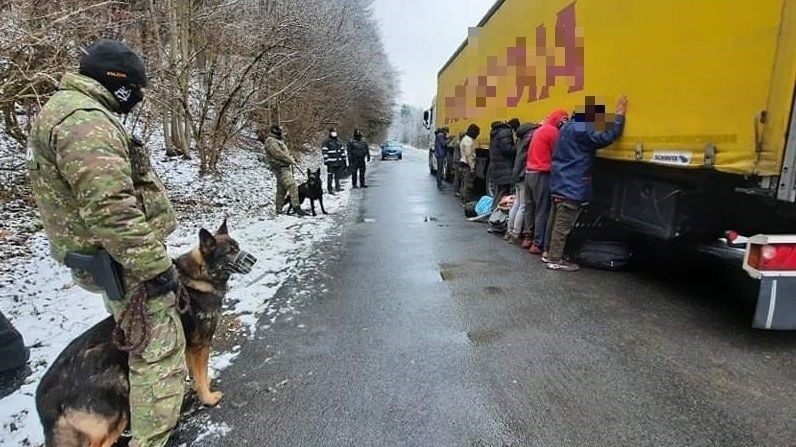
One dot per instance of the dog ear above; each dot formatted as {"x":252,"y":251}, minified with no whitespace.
{"x":207,"y":242}
{"x":309,"y":173}
{"x":223,"y":228}
{"x":318,"y":172}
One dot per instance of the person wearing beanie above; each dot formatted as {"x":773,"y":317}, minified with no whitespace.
{"x":502,"y":153}
{"x":358,"y":152}
{"x":96,"y":190}
{"x":467,"y":161}
{"x":281,"y":164}
{"x":334,"y":159}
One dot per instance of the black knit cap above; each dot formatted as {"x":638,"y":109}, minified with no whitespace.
{"x":112,"y":63}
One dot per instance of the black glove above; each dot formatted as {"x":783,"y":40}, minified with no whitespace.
{"x":162,"y":284}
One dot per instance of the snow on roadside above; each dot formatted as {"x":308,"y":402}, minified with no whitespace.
{"x":41,"y":300}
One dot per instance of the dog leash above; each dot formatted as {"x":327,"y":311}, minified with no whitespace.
{"x":136,"y":312}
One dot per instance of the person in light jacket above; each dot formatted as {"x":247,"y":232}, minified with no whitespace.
{"x":467,"y":162}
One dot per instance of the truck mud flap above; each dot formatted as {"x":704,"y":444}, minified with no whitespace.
{"x":776,"y":303}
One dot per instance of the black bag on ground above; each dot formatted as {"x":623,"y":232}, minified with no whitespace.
{"x":13,"y":353}
{"x":469,"y":209}
{"x":604,"y":255}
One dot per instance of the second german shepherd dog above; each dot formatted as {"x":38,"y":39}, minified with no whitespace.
{"x":83,"y":399}
{"x":311,"y":189}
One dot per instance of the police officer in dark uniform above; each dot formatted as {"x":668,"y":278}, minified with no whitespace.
{"x":334,"y":159}
{"x":358,"y":152}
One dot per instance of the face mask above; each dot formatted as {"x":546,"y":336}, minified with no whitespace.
{"x":243,"y":263}
{"x":333,"y":134}
{"x":128,"y":97}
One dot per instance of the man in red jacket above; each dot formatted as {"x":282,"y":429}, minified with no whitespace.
{"x":537,"y":179}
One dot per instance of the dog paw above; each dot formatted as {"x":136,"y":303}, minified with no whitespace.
{"x":212,"y":399}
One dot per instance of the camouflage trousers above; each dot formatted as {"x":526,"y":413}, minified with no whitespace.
{"x":285,"y":184}
{"x":157,"y":375}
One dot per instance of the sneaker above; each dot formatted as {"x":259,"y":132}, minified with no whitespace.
{"x":535,"y":250}
{"x":354,"y":187}
{"x":331,"y":193}
{"x":299,"y":212}
{"x":507,"y":236}
{"x":339,"y":189}
{"x":526,"y":243}
{"x":545,"y":257}
{"x":364,"y":186}
{"x":563,"y":265}
{"x":514,"y":239}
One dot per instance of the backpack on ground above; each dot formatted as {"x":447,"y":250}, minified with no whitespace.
{"x":604,"y":255}
{"x":13,"y":353}
{"x":484,"y":205}
{"x":498,"y":221}
{"x":469,"y":209}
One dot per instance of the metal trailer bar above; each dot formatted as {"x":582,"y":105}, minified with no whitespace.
{"x":787,"y":180}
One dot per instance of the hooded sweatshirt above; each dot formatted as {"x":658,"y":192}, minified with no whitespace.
{"x":540,"y":152}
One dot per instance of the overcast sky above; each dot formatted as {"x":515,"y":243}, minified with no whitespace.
{"x":420,"y":36}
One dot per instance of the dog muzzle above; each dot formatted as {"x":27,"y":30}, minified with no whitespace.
{"x":243,"y":263}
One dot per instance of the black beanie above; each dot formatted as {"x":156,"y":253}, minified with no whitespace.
{"x":118,"y":68}
{"x":514,"y":123}
{"x":113,"y":63}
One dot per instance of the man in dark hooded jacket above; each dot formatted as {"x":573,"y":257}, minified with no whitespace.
{"x":440,"y":153}
{"x":358,"y":152}
{"x":570,"y":178}
{"x":502,"y":151}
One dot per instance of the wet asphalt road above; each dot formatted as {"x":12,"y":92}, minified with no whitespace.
{"x":423,"y":330}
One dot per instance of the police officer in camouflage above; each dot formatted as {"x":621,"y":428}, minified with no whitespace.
{"x":281,"y":163}
{"x":95,"y":189}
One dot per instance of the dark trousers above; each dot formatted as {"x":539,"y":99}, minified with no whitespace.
{"x":457,"y":178}
{"x":358,"y":170}
{"x":537,"y":206}
{"x":440,"y":171}
{"x":467,"y":183}
{"x":564,"y":215}
{"x":333,"y":174}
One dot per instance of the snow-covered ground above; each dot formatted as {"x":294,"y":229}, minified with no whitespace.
{"x":40,"y":299}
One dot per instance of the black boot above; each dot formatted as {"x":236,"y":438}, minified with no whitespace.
{"x":298,"y":211}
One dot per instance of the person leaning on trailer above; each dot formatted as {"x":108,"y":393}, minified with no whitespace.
{"x":570,"y":178}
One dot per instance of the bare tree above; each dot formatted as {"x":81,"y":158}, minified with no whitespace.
{"x":219,"y":69}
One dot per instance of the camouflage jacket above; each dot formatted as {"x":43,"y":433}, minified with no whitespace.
{"x":93,"y":186}
{"x":277,"y":153}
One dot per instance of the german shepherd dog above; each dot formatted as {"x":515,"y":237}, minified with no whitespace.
{"x":83,"y":399}
{"x":311,"y":189}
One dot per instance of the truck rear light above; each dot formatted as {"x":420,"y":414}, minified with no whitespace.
{"x":772,"y":257}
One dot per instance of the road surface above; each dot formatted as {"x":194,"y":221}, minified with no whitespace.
{"x":421,"y":329}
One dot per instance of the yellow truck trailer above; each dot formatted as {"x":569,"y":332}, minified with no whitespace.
{"x":710,"y":139}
